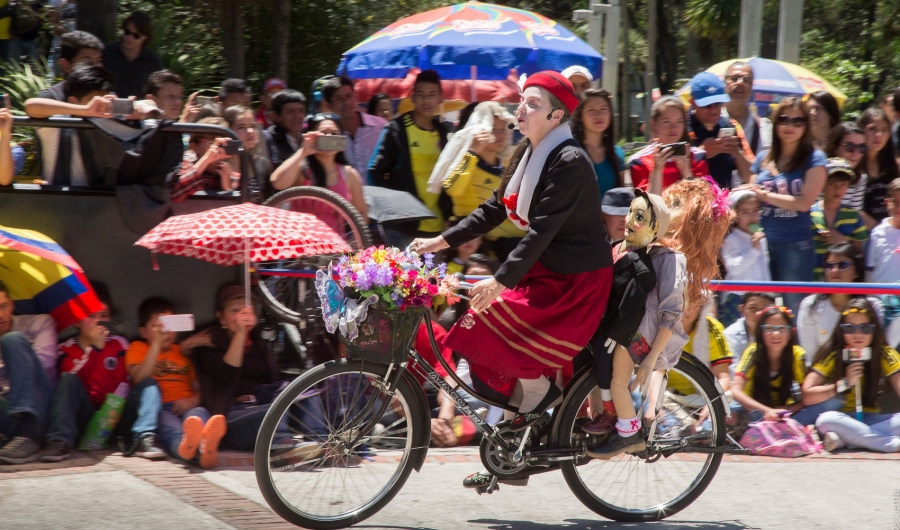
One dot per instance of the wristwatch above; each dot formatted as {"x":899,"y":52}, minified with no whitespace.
{"x":841,"y":386}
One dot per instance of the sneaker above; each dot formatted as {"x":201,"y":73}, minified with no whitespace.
{"x":19,"y":450}
{"x":604,"y":423}
{"x":523,"y":420}
{"x":616,"y":444}
{"x":210,"y":437}
{"x":832,"y":442}
{"x":190,"y":438}
{"x":145,"y":447}
{"x":295,"y":453}
{"x":483,"y":479}
{"x":56,"y":451}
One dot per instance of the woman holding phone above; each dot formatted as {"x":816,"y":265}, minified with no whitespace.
{"x":319,"y":163}
{"x":242,"y":121}
{"x":661,"y":164}
{"x":849,"y":371}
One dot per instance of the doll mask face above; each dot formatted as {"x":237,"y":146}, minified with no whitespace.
{"x":639,"y":231}
{"x":676,"y":208}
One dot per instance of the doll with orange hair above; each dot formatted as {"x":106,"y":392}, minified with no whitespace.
{"x":684,"y":261}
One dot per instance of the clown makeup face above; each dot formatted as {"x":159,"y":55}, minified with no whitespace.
{"x":639,"y":230}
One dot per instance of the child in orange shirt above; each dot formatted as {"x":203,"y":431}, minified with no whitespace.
{"x":185,"y":428}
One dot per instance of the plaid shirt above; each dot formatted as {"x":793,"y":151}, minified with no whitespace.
{"x":190,"y":182}
{"x":361,"y":146}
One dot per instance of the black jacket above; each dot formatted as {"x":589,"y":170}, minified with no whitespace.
{"x":279,"y":148}
{"x":566,"y":229}
{"x":390,"y":166}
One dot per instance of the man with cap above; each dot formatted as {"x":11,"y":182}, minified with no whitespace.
{"x":616,"y":203}
{"x":580,"y":78}
{"x":361,"y":129}
{"x":270,"y":87}
{"x":725,"y":151}
{"x":832,"y":222}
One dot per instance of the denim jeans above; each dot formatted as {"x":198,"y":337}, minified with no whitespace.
{"x":876,"y":432}
{"x":809,"y":415}
{"x":141,"y":412}
{"x":71,"y":412}
{"x":29,"y":389}
{"x":170,"y":431}
{"x":792,"y":262}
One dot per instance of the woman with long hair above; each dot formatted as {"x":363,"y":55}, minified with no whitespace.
{"x":771,"y":371}
{"x":380,"y":105}
{"x":849,"y":370}
{"x":819,"y":313}
{"x":545,"y":302}
{"x":594,"y":126}
{"x":880,"y":165}
{"x":328,"y":169}
{"x":655,"y":168}
{"x":848,"y":141}
{"x":243,"y":122}
{"x":788,"y":180}
{"x":824,"y":115}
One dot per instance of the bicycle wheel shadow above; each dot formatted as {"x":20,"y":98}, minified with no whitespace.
{"x":584,"y":524}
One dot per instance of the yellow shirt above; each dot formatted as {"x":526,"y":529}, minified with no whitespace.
{"x":747,"y":367}
{"x":5,"y":23}
{"x":890,"y":365}
{"x":471,"y":184}
{"x":719,"y":353}
{"x":424,"y":150}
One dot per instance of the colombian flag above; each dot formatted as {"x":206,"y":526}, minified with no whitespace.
{"x":43,"y":279}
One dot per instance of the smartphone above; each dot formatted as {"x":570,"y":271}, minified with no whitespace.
{"x":234,"y":147}
{"x":678,"y":148}
{"x":122,"y":107}
{"x":177,"y":322}
{"x":853,"y":355}
{"x":331,"y":142}
{"x":204,"y":100}
{"x":727,"y":132}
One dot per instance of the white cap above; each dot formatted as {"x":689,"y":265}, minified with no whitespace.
{"x":580,"y":70}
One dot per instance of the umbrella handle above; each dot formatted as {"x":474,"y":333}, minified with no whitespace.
{"x":246,"y":272}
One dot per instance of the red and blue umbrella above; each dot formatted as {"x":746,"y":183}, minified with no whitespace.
{"x":42,"y":278}
{"x":470,"y":41}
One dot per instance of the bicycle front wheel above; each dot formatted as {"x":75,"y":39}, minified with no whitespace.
{"x":309,"y":466}
{"x":665,"y":480}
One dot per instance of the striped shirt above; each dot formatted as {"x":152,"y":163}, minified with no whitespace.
{"x":361,"y":145}
{"x":853,"y":199}
{"x":847,"y":222}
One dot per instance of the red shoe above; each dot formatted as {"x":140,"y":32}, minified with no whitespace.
{"x":604,"y":423}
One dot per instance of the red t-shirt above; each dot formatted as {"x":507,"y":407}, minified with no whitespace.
{"x":423,"y":347}
{"x":101,"y":371}
{"x":641,"y":165}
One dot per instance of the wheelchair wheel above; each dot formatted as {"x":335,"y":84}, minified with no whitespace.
{"x":308,"y":467}
{"x":666,"y":478}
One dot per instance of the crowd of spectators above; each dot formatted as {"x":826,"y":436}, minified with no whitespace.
{"x":814,"y":199}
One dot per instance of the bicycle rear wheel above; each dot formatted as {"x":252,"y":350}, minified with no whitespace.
{"x":631,"y":488}
{"x":308,"y":468}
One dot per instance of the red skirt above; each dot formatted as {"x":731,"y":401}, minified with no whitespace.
{"x":534,"y":329}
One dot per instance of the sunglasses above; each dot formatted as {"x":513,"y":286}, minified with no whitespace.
{"x":769,"y":329}
{"x":739,"y":79}
{"x":134,"y":34}
{"x":798,"y":121}
{"x":840,"y":265}
{"x":857,"y":329}
{"x":852,"y":148}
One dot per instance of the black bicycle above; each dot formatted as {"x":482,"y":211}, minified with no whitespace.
{"x":339,"y":443}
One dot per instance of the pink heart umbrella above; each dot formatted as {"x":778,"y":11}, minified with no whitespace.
{"x":244,"y":233}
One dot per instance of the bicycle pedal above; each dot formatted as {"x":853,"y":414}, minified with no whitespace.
{"x":490,"y":488}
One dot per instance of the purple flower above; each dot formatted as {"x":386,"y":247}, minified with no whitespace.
{"x":363,"y":281}
{"x":442,"y":269}
{"x":429,"y":261}
{"x":384,"y":276}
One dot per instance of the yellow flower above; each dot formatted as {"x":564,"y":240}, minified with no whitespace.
{"x":379,"y":256}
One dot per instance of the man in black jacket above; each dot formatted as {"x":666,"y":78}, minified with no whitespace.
{"x":284,"y":138}
{"x":406,"y":154}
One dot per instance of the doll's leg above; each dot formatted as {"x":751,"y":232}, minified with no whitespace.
{"x":653,"y":390}
{"x":627,"y":437}
{"x":623,"y":368}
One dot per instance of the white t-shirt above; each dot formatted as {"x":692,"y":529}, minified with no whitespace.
{"x":744,"y":262}
{"x":882,"y":258}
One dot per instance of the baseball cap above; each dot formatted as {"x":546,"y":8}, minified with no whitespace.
{"x":838,"y":166}
{"x":707,"y":89}
{"x":617,"y":201}
{"x":736,"y":197}
{"x":580,"y":70}
{"x":273,"y":83}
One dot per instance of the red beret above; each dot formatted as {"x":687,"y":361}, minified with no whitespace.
{"x":556,"y":84}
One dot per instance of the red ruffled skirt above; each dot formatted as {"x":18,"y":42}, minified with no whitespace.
{"x":534,"y":329}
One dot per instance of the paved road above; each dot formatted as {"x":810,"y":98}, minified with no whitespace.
{"x":108,"y":491}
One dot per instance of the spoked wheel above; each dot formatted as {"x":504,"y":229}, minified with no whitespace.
{"x":294,"y":299}
{"x":665,"y":479}
{"x":310,"y":466}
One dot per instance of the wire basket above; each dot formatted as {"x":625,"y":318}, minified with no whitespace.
{"x":385,"y":336}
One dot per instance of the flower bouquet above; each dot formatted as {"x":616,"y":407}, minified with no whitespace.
{"x":377,"y":296}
